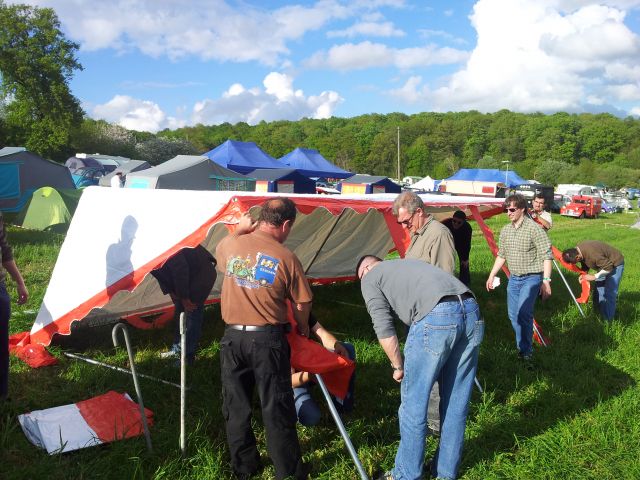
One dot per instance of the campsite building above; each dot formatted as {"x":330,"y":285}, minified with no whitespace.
{"x":242,"y":157}
{"x":282,"y":180}
{"x":312,"y":164}
{"x":368,"y":184}
{"x":23,"y":172}
{"x":183,"y":172}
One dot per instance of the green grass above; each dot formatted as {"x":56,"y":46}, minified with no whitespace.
{"x":575,"y":416}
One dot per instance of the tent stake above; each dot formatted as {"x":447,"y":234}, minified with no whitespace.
{"x":114,"y":336}
{"x":183,"y":381}
{"x":340,"y":425}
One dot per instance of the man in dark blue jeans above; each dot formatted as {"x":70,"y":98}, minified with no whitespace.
{"x":445,"y":332}
{"x":188,"y":278}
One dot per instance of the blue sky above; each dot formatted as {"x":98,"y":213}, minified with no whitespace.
{"x":154,"y":64}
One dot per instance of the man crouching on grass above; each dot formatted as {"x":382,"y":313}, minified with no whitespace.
{"x":445,"y":333}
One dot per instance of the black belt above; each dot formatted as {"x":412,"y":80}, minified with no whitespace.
{"x":283,"y":327}
{"x":456,"y":298}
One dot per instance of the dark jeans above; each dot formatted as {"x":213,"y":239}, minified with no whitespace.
{"x":259,"y":360}
{"x":5,"y":313}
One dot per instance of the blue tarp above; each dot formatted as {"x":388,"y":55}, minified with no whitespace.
{"x":284,"y":180}
{"x":312,"y":164}
{"x":488,"y":175}
{"x":242,"y":157}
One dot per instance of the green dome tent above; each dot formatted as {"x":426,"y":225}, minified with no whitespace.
{"x":49,"y":209}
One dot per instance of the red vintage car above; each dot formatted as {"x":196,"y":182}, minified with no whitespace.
{"x":582,"y":206}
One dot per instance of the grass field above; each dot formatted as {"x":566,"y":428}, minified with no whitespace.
{"x":576,"y":416}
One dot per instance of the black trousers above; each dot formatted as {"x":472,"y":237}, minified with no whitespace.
{"x":259,"y":360}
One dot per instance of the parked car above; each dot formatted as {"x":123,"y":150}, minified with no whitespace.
{"x":559,"y":201}
{"x":582,"y":206}
{"x":620,"y":201}
{"x":610,"y":207}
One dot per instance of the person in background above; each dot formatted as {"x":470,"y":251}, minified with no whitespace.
{"x":117,"y":181}
{"x":461,"y":232}
{"x":538,"y":212}
{"x":261,"y":277}
{"x":609,"y":265}
{"x":445,"y":332}
{"x":307,"y":409}
{"x":432,"y":243}
{"x":526,"y":249}
{"x":8,"y":266}
{"x":188,"y":278}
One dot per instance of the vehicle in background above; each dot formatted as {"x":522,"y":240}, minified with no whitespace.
{"x":410,"y":180}
{"x":619,"y":200}
{"x":559,"y":201}
{"x":582,"y":206}
{"x":610,"y":207}
{"x":630,"y":192}
{"x":578,"y":189}
{"x":530,"y":190}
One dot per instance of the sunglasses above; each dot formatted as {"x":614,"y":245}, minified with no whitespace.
{"x":409,"y":220}
{"x":510,"y":210}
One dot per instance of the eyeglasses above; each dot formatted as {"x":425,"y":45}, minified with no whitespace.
{"x":510,"y":209}
{"x":408,"y":221}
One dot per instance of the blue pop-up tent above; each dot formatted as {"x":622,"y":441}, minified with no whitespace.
{"x":312,"y":164}
{"x":509,"y":178}
{"x":242,"y":157}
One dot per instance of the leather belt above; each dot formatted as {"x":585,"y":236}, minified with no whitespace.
{"x":283,"y":327}
{"x":456,"y":298}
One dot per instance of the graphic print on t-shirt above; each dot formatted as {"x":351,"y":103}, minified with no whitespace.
{"x":262,"y":273}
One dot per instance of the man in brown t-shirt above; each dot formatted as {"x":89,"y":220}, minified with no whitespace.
{"x":260,"y":276}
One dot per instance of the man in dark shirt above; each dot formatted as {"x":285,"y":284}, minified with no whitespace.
{"x":609,"y":263}
{"x":461,"y":232}
{"x":188,"y":278}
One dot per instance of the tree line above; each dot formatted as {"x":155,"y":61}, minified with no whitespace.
{"x":38,"y":111}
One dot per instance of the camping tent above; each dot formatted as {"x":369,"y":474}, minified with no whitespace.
{"x":126,"y":168}
{"x":109,"y":162}
{"x":509,"y":178}
{"x":282,"y":180}
{"x":121,"y":236}
{"x":49,"y":209}
{"x":368,"y":184}
{"x":183,"y":172}
{"x":23,"y":172}
{"x":242,"y":157}
{"x":427,"y":184}
{"x":74,"y":164}
{"x":310,"y":163}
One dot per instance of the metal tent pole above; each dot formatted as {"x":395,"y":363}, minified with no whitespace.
{"x":114,"y":336}
{"x":183,"y":381}
{"x":568,"y":288}
{"x":340,"y":425}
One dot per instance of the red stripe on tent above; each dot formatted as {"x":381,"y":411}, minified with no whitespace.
{"x":113,"y":417}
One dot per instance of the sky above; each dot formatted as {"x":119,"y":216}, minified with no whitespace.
{"x":155,"y":64}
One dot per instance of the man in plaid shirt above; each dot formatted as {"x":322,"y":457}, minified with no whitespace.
{"x":526,"y":249}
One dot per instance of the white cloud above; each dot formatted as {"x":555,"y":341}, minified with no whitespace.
{"x":427,"y":33}
{"x":539,"y":55}
{"x":366,"y":54}
{"x":635,"y":111}
{"x":368,"y":29}
{"x":135,"y":114}
{"x":211,"y":30}
{"x":278,"y":100}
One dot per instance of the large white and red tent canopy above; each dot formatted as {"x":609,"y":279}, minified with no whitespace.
{"x":117,"y":236}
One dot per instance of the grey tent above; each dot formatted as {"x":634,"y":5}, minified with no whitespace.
{"x":23,"y":172}
{"x":183,"y":172}
{"x":126,"y":168}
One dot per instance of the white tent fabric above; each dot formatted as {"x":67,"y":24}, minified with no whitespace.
{"x":117,"y":236}
{"x":427,"y":184}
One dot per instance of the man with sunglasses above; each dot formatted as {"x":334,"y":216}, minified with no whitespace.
{"x":431,"y":242}
{"x":526,"y":249}
{"x":445,"y":332}
{"x":461,"y":232}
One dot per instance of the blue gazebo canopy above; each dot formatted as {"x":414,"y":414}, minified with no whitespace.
{"x":242,"y":157}
{"x":312,"y":164}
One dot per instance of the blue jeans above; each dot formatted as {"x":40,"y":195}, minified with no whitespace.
{"x":194,"y":330}
{"x":444,"y":346}
{"x":605,"y":294}
{"x":522,"y":291}
{"x":307,"y":409}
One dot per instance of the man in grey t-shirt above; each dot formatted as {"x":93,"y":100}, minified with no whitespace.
{"x":445,"y":331}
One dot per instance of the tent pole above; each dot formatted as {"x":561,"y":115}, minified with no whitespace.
{"x":114,"y":336}
{"x":568,"y":288}
{"x":183,"y":381}
{"x":340,"y":425}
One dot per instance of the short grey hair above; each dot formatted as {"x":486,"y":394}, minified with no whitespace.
{"x":408,"y":200}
